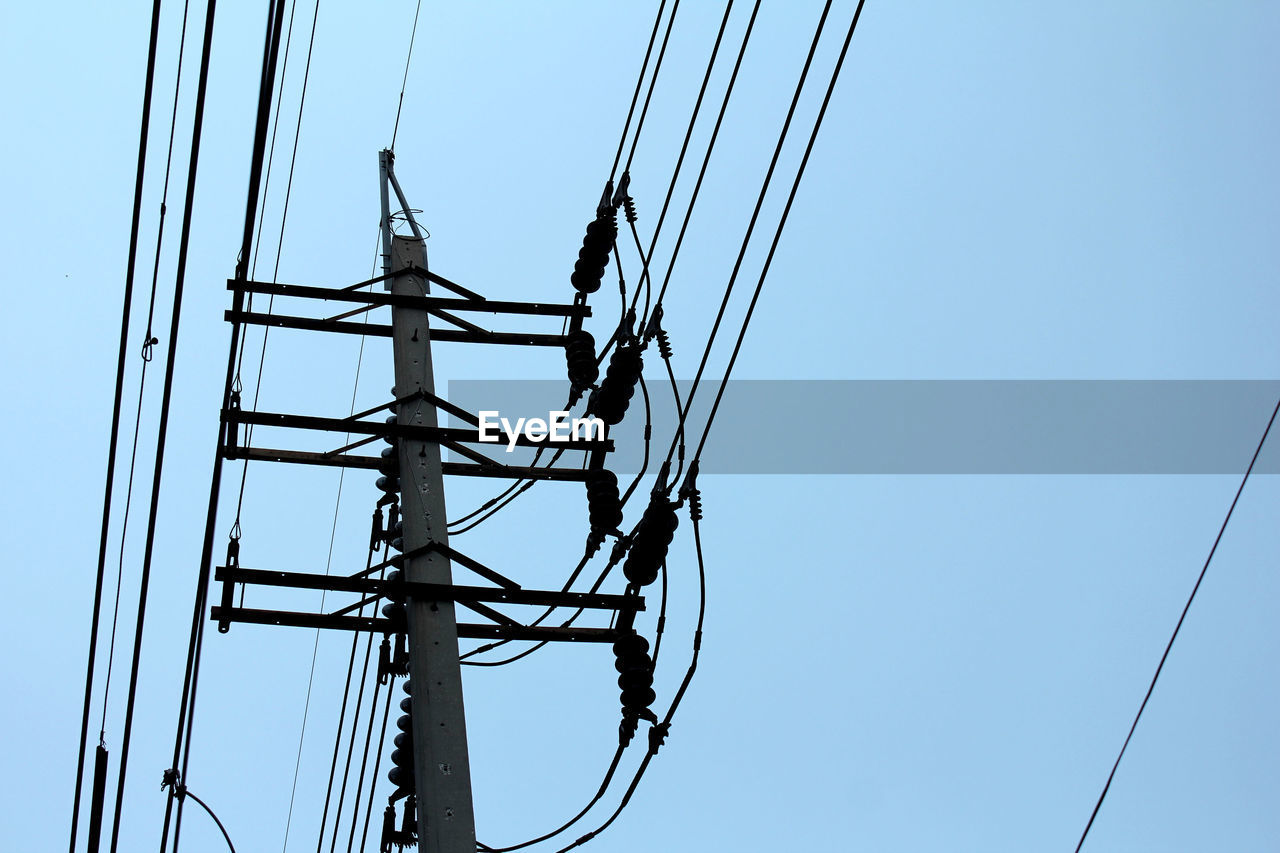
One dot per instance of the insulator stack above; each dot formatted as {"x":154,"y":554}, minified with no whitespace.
{"x":619,"y":384}
{"x":649,"y":547}
{"x":603,"y":503}
{"x":580,"y":353}
{"x":401,"y":773}
{"x":635,"y":678}
{"x":629,"y":208}
{"x":593,"y":257}
{"x":389,"y":466}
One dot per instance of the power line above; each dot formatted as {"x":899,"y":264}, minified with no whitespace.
{"x":635,"y":96}
{"x":777,"y":234}
{"x":405,"y":81}
{"x":755,"y":214}
{"x":186,"y":712}
{"x":1178,"y":627}
{"x":166,"y":397}
{"x":125,"y":312}
{"x":653,"y":82}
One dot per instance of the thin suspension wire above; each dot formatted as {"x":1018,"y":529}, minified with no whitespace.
{"x":777,"y":234}
{"x":755,"y":215}
{"x":635,"y":96}
{"x":405,"y":81}
{"x":163,"y":429}
{"x":125,"y":314}
{"x":1178,"y":627}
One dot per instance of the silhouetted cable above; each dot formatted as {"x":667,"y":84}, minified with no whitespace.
{"x":755,"y":215}
{"x":149,"y":341}
{"x":377,"y":760}
{"x":125,"y":314}
{"x":777,"y":234}
{"x":647,"y":257}
{"x":600,"y":792}
{"x":405,"y":81}
{"x":342,"y":718}
{"x":635,"y":96}
{"x":364,"y":763}
{"x":1178,"y":627}
{"x":284,"y":217}
{"x":163,"y":429}
{"x":351,"y":742}
{"x":653,"y":82}
{"x":191,"y":677}
{"x":184,"y":793}
{"x":711,"y":144}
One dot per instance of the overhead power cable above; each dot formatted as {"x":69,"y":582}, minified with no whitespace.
{"x":1178,"y":627}
{"x":163,"y":429}
{"x":125,"y":314}
{"x":755,"y":214}
{"x":149,"y":341}
{"x":192,"y":670}
{"x":647,"y":257}
{"x":413,"y":34}
{"x":635,"y":96}
{"x":653,"y":82}
{"x":777,"y":234}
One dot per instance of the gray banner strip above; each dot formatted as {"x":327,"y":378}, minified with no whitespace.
{"x":928,"y":426}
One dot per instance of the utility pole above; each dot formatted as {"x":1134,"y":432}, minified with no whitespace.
{"x":446,"y":820}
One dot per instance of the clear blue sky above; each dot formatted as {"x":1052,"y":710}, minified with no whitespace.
{"x":1002,"y":190}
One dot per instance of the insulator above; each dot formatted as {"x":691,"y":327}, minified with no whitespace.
{"x":635,"y":679}
{"x":401,"y":775}
{"x":389,"y":464}
{"x":649,"y":547}
{"x":593,"y":257}
{"x":397,"y":544}
{"x":391,"y":439}
{"x":604,"y":506}
{"x":690,"y":491}
{"x":388,"y":484}
{"x":664,"y":344}
{"x":396,"y":613}
{"x":629,"y":208}
{"x":617,"y":388}
{"x":580,"y":354}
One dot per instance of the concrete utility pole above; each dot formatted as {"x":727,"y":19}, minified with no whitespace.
{"x":446,"y":820}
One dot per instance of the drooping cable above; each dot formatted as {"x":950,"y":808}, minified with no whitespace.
{"x":777,"y":234}
{"x":125,"y":314}
{"x":1178,"y":627}
{"x":377,"y":761}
